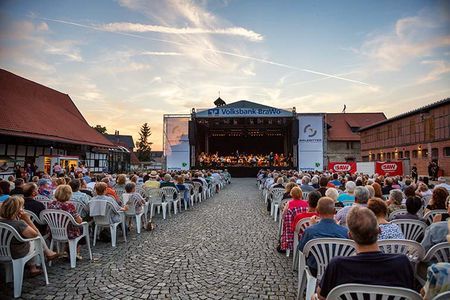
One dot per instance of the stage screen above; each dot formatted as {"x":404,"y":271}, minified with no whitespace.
{"x":176,"y":142}
{"x":310,"y":143}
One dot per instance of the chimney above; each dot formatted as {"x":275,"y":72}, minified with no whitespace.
{"x":116,"y":132}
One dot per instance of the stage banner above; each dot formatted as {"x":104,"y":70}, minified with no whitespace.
{"x":310,"y":143}
{"x":176,"y":142}
{"x":342,"y":167}
{"x":392,"y":168}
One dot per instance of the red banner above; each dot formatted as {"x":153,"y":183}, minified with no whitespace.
{"x":392,"y":168}
{"x":342,"y":167}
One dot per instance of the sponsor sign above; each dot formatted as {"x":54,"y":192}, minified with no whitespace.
{"x":310,"y":143}
{"x":245,"y":112}
{"x":347,"y":167}
{"x":392,"y":168}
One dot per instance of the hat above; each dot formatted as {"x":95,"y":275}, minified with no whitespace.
{"x":43,"y":181}
{"x":153,"y":174}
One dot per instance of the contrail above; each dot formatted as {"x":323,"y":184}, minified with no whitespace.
{"x":261,"y":60}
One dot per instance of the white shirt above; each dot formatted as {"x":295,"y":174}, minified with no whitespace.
{"x":443,"y":185}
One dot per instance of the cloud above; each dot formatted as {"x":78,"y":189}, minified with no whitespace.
{"x":153,"y":53}
{"x":440,"y":67}
{"x":411,"y":38}
{"x":136,"y":27}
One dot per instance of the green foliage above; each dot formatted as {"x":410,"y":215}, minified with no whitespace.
{"x":144,"y":147}
{"x":100,"y":128}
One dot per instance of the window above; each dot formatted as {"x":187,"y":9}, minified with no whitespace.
{"x":407,"y":155}
{"x":414,"y":154}
{"x":424,"y":153}
{"x":400,"y":154}
{"x":96,"y":163}
{"x":378,"y":156}
{"x":447,"y":151}
{"x":429,"y":129}
{"x":388,"y":156}
{"x":434,"y":153}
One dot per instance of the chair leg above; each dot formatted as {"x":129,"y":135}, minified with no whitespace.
{"x":175,"y":207}
{"x":138,"y":224}
{"x":275,"y":212}
{"x":310,"y":287}
{"x":124,"y":230}
{"x":73,"y":253}
{"x":44,"y":267}
{"x":113,"y":230}
{"x":164,"y":207}
{"x":18,"y":277}
{"x":51,"y":248}
{"x":95,"y":235}
{"x":88,"y":243}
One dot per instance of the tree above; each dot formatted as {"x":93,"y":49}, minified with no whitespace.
{"x":100,"y":128}
{"x":143,"y":145}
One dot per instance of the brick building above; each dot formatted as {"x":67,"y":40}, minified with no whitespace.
{"x":421,"y":135}
{"x":343,"y":140}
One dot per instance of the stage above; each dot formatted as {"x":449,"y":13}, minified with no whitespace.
{"x":240,"y":172}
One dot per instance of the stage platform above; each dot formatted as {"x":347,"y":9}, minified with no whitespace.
{"x":240,"y":172}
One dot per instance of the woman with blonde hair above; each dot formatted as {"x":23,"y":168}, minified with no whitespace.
{"x":63,"y":194}
{"x":121,"y":181}
{"x":12,"y":213}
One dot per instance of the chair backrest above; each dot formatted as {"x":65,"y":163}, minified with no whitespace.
{"x":131,"y":204}
{"x":305,"y":195}
{"x":44,"y":200}
{"x":34,"y":217}
{"x":106,"y":218}
{"x":412,"y":229}
{"x":397,"y":212}
{"x":438,"y":253}
{"x":277,"y":194}
{"x":324,"y":249}
{"x":348,"y":202}
{"x":141,"y":192}
{"x":7,"y":232}
{"x":430,"y":215}
{"x":57,"y":220}
{"x":197,"y":186}
{"x":81,"y":207}
{"x":442,"y":296}
{"x":168,"y":192}
{"x":301,"y":226}
{"x":119,"y":192}
{"x":372,"y":292}
{"x":412,"y":249}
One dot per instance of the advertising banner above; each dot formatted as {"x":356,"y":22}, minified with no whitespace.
{"x":392,"y":168}
{"x":176,"y":142}
{"x":310,"y":143}
{"x":342,"y":167}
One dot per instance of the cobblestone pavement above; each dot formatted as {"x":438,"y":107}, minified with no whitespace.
{"x":223,"y":248}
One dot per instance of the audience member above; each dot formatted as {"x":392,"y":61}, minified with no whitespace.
{"x":349,"y":195}
{"x":413,"y":205}
{"x":361,"y":198}
{"x":438,"y":199}
{"x":387,"y":230}
{"x":18,"y":187}
{"x":334,"y":194}
{"x":395,"y":201}
{"x":370,"y":265}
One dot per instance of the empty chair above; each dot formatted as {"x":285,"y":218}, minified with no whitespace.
{"x":136,"y":210}
{"x":323,"y":250}
{"x":107,"y":215}
{"x":364,"y":291}
{"x":59,"y":222}
{"x":411,"y":229}
{"x":170,"y":195}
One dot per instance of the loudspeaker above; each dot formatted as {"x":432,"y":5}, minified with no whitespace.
{"x":294,"y":130}
{"x":192,"y":132}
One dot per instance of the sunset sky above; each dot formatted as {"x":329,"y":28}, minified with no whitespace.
{"x":127,"y":62}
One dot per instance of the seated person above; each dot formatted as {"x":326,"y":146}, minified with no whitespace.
{"x":325,"y":228}
{"x":437,"y":232}
{"x":18,"y":187}
{"x":395,"y":201}
{"x":349,"y":195}
{"x":370,"y":265}
{"x":95,"y":209}
{"x":438,"y":199}
{"x":167,"y":182}
{"x":361,"y":198}
{"x":438,"y":280}
{"x":110,"y":191}
{"x":334,"y":194}
{"x":294,"y":206}
{"x":413,"y":205}
{"x":313,"y":199}
{"x":30,"y":190}
{"x":136,"y":198}
{"x":79,"y":197}
{"x":387,"y":230}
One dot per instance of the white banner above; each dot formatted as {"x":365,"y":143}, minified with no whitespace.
{"x":310,"y":143}
{"x":176,"y":143}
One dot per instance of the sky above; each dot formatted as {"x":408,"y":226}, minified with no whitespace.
{"x":127,"y":62}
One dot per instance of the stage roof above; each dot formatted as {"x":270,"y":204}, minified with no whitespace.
{"x":243,"y":109}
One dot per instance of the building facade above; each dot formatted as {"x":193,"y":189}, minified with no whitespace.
{"x":42,"y":126}
{"x":343,"y":138}
{"x":421,"y":136}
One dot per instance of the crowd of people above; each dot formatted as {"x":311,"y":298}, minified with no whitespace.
{"x":91,"y":192}
{"x":358,"y":207}
{"x":237,"y":159}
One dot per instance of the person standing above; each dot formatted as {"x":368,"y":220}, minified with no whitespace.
{"x":414,"y":173}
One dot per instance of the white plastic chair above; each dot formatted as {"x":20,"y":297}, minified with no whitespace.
{"x":82,"y":209}
{"x":438,"y":253}
{"x":428,"y":217}
{"x":397,"y":212}
{"x":156,"y":201}
{"x":105,"y":221}
{"x":119,"y":192}
{"x":372,"y":292}
{"x":34,"y":218}
{"x":305,"y":195}
{"x":323,"y":250}
{"x":197,"y":193}
{"x":167,"y":193}
{"x":412,"y":229}
{"x":58,"y":221}
{"x":131,"y":212}
{"x":300,"y":226}
{"x":44,"y":200}
{"x":7,"y":233}
{"x":277,"y":196}
{"x":442,"y":296}
{"x":141,"y":191}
